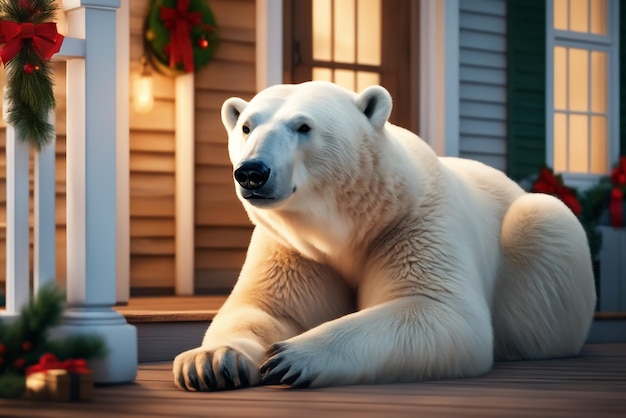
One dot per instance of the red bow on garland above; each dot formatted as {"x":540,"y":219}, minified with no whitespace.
{"x":51,"y":362}
{"x":180,"y":21}
{"x":547,"y":182}
{"x":45,"y":39}
{"x":618,"y":178}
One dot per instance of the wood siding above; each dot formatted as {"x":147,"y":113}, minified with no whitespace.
{"x":482,"y":75}
{"x":151,"y":176}
{"x":152,"y":169}
{"x":222,"y":230}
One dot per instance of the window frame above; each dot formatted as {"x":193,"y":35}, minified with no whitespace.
{"x":607,"y":43}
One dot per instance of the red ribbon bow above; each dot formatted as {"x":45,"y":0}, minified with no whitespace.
{"x":618,"y":178}
{"x":51,"y":362}
{"x":180,"y":21}
{"x":45,"y":39}
{"x":547,"y":182}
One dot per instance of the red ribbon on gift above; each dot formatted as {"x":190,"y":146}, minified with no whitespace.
{"x":179,"y":21}
{"x":618,"y":178}
{"x":45,"y":39}
{"x":51,"y":362}
{"x":547,"y":182}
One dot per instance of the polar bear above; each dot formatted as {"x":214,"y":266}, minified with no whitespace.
{"x":373,"y":260}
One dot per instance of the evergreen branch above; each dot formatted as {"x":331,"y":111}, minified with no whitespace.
{"x":35,"y":11}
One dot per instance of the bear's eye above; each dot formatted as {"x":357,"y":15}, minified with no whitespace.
{"x":304,"y":128}
{"x":245,"y":129}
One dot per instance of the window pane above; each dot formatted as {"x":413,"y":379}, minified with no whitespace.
{"x":578,"y":64}
{"x":598,"y":81}
{"x":321,"y":30}
{"x":599,"y":139}
{"x":599,"y":17}
{"x":560,"y":142}
{"x":368,"y":29}
{"x":560,"y":78}
{"x":578,"y":153}
{"x":344,"y":27}
{"x":578,"y":16}
{"x":324,"y":74}
{"x":365,"y":79}
{"x":560,"y":14}
{"x":345,"y":78}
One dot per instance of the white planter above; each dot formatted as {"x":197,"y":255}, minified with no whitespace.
{"x":612,"y":281}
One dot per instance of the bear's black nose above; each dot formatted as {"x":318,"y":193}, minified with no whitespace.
{"x":252,"y":175}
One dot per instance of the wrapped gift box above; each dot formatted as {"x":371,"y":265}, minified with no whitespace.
{"x":60,"y":385}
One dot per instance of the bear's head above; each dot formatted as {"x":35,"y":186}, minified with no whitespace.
{"x":294,"y":145}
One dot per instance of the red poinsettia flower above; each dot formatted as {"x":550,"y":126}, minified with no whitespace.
{"x":548,"y":183}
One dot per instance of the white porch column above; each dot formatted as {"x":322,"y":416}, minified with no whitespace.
{"x":439,"y":75}
{"x":44,"y":225}
{"x":91,"y":191}
{"x":123,"y":153}
{"x":269,"y":43}
{"x":185,"y":184}
{"x":17,"y":287}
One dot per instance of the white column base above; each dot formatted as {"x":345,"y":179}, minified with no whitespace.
{"x":119,"y":365}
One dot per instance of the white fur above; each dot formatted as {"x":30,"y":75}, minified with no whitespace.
{"x":373,"y":260}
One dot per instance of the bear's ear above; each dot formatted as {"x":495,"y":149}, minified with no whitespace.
{"x":231,"y":109}
{"x":375,"y":103}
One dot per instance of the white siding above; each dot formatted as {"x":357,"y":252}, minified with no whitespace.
{"x":482,"y":59}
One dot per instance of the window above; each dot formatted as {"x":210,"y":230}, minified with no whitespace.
{"x":347,"y":42}
{"x":582,"y":86}
{"x":357,"y":43}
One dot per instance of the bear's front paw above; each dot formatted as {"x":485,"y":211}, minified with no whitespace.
{"x":282,"y":367}
{"x":203,"y":369}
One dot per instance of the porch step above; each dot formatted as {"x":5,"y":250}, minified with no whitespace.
{"x":166,"y":326}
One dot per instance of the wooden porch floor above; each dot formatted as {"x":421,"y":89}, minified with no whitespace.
{"x":592,"y":385}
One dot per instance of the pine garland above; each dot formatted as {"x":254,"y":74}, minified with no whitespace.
{"x":24,"y":341}
{"x":29,"y":75}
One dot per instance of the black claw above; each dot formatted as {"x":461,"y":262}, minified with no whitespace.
{"x":193,"y":378}
{"x":289,"y":380}
{"x":207,"y":374}
{"x":272,"y":378}
{"x":243,"y":376}
{"x":275,"y":349}
{"x":228,"y":377}
{"x":181,"y":381}
{"x":269,"y":364}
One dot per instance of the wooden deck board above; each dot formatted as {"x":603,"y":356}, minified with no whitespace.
{"x":593,"y":384}
{"x":171,"y":308}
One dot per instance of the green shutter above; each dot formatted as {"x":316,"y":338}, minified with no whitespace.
{"x":526,"y":72}
{"x":622,"y":79}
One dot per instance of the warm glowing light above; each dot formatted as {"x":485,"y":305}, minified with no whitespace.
{"x":143,"y":99}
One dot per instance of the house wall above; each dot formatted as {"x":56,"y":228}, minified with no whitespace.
{"x":152,"y":168}
{"x":222,"y":228}
{"x":482,"y":74}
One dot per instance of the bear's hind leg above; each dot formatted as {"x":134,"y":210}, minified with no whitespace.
{"x":544,"y":296}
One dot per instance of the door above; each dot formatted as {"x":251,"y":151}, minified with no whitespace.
{"x":356,"y":43}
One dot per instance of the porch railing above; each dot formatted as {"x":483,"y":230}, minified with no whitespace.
{"x":96,"y":88}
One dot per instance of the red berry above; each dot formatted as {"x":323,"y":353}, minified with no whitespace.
{"x":29,"y":68}
{"x":27,"y":346}
{"x":3,"y":349}
{"x":203,"y":43}
{"x":19,"y":363}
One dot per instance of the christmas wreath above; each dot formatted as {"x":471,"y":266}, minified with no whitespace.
{"x":180,"y":35}
{"x":29,"y":40}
